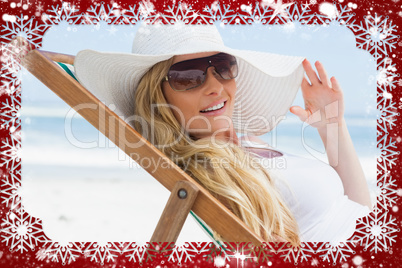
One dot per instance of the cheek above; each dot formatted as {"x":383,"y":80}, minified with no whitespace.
{"x":230,"y":86}
{"x":170,"y":100}
{"x":179,"y":105}
{"x":232,"y":89}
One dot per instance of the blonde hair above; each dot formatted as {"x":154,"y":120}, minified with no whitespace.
{"x":238,"y":181}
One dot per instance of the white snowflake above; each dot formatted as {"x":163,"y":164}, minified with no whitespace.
{"x":386,"y":74}
{"x":344,"y":15}
{"x":102,"y":253}
{"x":388,"y":112}
{"x":282,"y":13}
{"x":39,"y":8}
{"x":376,"y":35}
{"x":107,"y":13}
{"x":182,"y":13}
{"x":27,"y":28}
{"x":10,"y":184}
{"x":20,"y":231}
{"x":263,"y":253}
{"x":261,"y":13}
{"x":182,"y":254}
{"x":213,"y":251}
{"x":218,"y":12}
{"x":297,"y":255}
{"x":389,"y":155}
{"x":305,"y":16}
{"x":302,"y":15}
{"x":65,"y":12}
{"x":65,"y":254}
{"x":335,"y":253}
{"x":140,"y":13}
{"x":9,"y":113}
{"x":10,"y":152}
{"x":10,"y":68}
{"x":386,"y":81}
{"x":387,"y":191}
{"x":258,"y":14}
{"x":139,"y":254}
{"x":12,"y":53}
{"x":377,"y":231}
{"x":242,"y":253}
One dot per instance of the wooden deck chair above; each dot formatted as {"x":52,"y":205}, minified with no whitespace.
{"x":187,"y":196}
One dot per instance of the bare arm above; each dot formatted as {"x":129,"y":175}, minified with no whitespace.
{"x":324,"y":110}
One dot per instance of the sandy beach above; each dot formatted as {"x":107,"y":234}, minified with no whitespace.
{"x":86,"y":193}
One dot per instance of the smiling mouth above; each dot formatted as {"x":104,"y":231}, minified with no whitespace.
{"x":214,"y":108}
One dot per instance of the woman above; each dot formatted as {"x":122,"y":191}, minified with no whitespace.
{"x":189,"y":95}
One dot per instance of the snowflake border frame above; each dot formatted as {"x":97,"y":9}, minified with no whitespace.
{"x":182,"y":12}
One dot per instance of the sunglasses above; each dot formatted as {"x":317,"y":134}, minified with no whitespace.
{"x":190,"y":74}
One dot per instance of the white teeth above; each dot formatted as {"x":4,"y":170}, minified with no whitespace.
{"x":216,"y":107}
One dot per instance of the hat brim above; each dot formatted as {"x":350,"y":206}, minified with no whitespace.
{"x":266,"y":85}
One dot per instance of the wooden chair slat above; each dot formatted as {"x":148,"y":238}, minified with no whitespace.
{"x":208,"y":208}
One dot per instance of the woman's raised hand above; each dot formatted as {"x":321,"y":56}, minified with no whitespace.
{"x":323,"y":98}
{"x":324,"y":110}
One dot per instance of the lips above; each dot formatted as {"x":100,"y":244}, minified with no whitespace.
{"x":214,"y":108}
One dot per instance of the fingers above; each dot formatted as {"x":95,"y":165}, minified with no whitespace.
{"x":322,"y":73}
{"x":311,"y":74}
{"x":335,"y":84}
{"x":299,"y":112}
{"x":305,"y":83}
{"x":321,"y":79}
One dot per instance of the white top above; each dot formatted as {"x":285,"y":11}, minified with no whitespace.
{"x":314,"y":193}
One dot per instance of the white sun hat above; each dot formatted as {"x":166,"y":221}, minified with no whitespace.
{"x":266,"y":83}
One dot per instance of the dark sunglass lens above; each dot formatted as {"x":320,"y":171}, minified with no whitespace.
{"x":225,"y":65}
{"x":191,"y":73}
{"x":187,"y":74}
{"x":227,"y":71}
{"x":186,"y":79}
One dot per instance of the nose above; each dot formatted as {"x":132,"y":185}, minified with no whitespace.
{"x":212,"y":82}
